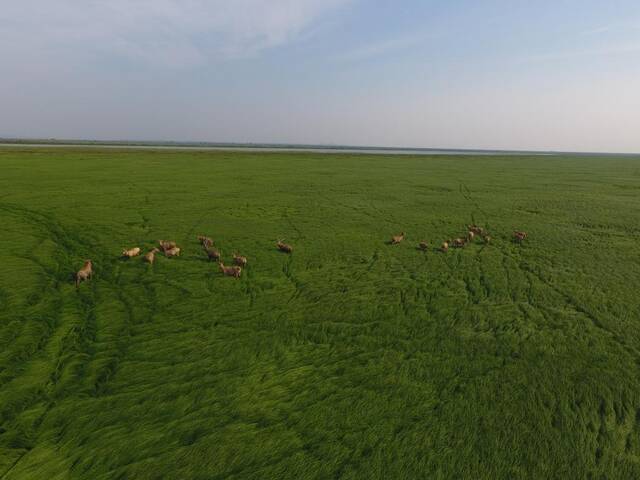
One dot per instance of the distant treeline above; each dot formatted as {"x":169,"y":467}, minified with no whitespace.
{"x":288,"y":146}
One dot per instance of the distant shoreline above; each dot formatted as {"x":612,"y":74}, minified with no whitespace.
{"x":246,"y":147}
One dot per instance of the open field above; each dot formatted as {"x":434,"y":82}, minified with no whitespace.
{"x":348,"y":359}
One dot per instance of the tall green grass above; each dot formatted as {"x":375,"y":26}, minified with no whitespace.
{"x":349,"y":358}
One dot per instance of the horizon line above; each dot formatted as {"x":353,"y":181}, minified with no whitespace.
{"x":195,"y":144}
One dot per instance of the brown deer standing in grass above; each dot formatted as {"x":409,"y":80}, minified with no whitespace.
{"x":396,"y":239}
{"x":457,"y":242}
{"x":518,"y":237}
{"x":234,"y":271}
{"x":206,"y":242}
{"x":166,"y":245}
{"x":85,"y":273}
{"x":475,"y":229}
{"x":150,"y":256}
{"x":487,"y":239}
{"x":213,"y":254}
{"x":172,"y":252}
{"x":424,"y":246}
{"x":470,"y":236}
{"x":445,"y":247}
{"x":284,"y":247}
{"x":132,"y":252}
{"x":239,"y":260}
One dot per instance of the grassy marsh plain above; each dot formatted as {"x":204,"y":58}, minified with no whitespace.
{"x":348,"y":359}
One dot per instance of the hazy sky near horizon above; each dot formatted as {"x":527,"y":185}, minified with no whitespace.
{"x":496,"y":74}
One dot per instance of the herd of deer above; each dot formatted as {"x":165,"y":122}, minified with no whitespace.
{"x":473,"y":232}
{"x":170,"y":249}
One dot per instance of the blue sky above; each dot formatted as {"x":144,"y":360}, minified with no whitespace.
{"x":549,"y":75}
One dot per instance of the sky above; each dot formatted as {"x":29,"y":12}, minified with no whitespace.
{"x":558,"y":75}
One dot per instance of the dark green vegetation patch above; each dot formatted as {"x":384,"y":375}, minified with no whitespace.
{"x":349,"y":358}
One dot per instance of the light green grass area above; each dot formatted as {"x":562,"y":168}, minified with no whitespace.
{"x":348,"y":359}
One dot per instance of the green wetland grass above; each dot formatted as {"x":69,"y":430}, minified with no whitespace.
{"x":348,"y":359}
